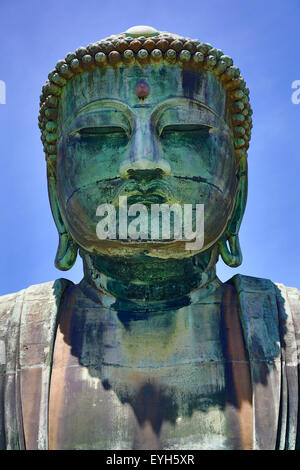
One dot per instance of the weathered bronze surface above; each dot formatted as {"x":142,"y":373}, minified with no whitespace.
{"x":151,"y":350}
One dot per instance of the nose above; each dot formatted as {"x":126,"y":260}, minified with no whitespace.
{"x":144,"y":162}
{"x":143,"y":169}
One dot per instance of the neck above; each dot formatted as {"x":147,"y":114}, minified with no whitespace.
{"x":145,"y":280}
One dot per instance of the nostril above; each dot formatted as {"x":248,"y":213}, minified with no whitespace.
{"x":146,"y":175}
{"x":159,"y":169}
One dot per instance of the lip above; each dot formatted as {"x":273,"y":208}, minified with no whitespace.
{"x":146,"y":198}
{"x":154,"y":193}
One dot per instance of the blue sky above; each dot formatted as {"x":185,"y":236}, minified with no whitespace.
{"x":263,"y":39}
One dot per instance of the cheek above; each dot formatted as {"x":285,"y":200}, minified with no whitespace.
{"x":213,"y":162}
{"x":217,"y":211}
{"x":218,"y":204}
{"x":210,"y":156}
{"x":80,"y":216}
{"x":84,"y":162}
{"x":220,"y":198}
{"x":79,"y":209}
{"x":222,"y":170}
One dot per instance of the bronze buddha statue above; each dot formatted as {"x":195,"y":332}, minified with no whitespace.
{"x":150,"y":350}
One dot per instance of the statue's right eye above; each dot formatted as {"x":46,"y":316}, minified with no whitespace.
{"x":98,"y":131}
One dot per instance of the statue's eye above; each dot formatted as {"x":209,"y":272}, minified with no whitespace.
{"x":187,"y":128}
{"x":104,"y":130}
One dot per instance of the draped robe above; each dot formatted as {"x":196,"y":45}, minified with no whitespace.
{"x":270,"y":320}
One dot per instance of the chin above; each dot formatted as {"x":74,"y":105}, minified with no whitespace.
{"x":168,"y":249}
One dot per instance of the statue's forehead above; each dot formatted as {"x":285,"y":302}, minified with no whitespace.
{"x":119,"y":84}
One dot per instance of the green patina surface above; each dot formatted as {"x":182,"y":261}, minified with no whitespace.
{"x":149,"y":351}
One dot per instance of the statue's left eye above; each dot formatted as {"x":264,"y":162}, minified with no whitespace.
{"x":189,"y":128}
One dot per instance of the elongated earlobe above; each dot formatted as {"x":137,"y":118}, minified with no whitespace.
{"x":66,"y":252}
{"x":232,"y":257}
{"x":67,"y":249}
{"x":232,"y":254}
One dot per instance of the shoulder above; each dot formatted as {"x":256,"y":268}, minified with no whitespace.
{"x":259,"y":285}
{"x":252,"y":284}
{"x":259,"y":315}
{"x":287,"y":298}
{"x":270,"y":311}
{"x":270,"y":315}
{"x":44,"y":291}
{"x":34,"y":301}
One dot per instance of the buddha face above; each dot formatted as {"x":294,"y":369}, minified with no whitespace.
{"x":154,"y":134}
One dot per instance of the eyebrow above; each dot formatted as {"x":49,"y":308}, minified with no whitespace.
{"x":166,"y":104}
{"x":102,"y":104}
{"x":176,"y":102}
{"x":105,"y":103}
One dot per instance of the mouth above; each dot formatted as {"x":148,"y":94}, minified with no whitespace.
{"x":153,"y":193}
{"x":146,"y":198}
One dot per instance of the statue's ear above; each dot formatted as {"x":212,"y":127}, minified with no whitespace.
{"x":232,"y":255}
{"x":67,"y":249}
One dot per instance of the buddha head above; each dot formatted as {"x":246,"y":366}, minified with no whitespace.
{"x":157,"y":118}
